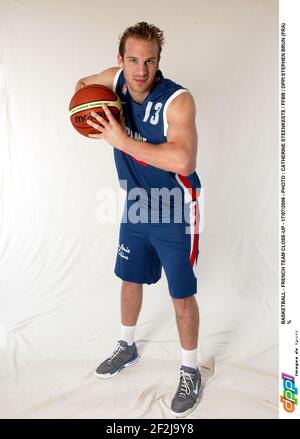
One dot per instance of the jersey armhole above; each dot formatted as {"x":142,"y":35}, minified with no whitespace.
{"x":116,"y":78}
{"x":170,"y":99}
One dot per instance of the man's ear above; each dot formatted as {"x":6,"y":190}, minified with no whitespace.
{"x":120,"y":60}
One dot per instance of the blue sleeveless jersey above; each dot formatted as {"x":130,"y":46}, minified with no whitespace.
{"x":148,"y":122}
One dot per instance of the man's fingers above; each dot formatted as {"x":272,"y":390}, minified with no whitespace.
{"x":99,"y":118}
{"x":123,"y":123}
{"x":95,"y":125}
{"x":95,"y":136}
{"x":109,"y":114}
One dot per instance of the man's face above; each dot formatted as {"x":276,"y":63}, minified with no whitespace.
{"x":139,"y":64}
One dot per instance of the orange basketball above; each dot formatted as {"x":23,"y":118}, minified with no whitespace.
{"x":91,"y":98}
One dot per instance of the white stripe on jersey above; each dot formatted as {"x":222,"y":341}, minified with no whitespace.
{"x":116,"y":80}
{"x":171,"y":98}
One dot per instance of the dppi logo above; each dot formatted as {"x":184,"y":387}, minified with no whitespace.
{"x":290,"y":391}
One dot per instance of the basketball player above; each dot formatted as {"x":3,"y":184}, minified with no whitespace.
{"x":156,"y":147}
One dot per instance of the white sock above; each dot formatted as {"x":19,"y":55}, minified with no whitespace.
{"x":189,"y":358}
{"x":127,"y":334}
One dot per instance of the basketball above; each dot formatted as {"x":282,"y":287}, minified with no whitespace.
{"x":91,"y":98}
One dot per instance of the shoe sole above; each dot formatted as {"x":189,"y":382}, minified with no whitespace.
{"x":110,"y":375}
{"x":181,"y":415}
{"x":187,"y":412}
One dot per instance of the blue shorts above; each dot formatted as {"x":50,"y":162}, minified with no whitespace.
{"x":144,"y":248}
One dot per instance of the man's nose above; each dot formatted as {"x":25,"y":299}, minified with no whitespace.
{"x":141,"y":68}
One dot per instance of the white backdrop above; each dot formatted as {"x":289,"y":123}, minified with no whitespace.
{"x":59,"y":297}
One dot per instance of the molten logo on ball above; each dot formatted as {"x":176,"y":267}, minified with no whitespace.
{"x":82,"y":119}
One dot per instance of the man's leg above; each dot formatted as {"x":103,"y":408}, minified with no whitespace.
{"x":131,"y":302}
{"x":187,"y":318}
{"x":126,"y":353}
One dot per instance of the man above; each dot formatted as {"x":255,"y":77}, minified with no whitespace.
{"x":155,"y":150}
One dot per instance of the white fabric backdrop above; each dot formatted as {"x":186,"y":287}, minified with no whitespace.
{"x":59,"y":298}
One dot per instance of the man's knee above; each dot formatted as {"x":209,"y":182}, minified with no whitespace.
{"x":131,"y":286}
{"x":184,"y":304}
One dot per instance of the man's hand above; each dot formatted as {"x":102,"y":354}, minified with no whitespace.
{"x":112,"y":131}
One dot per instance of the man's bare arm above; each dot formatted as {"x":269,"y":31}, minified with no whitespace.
{"x":105,"y":78}
{"x":179,"y":153}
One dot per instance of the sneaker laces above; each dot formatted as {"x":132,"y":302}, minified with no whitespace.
{"x":184,"y":388}
{"x":116,"y":352}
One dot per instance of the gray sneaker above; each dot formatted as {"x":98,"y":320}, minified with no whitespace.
{"x":185,"y":399}
{"x":123,"y":356}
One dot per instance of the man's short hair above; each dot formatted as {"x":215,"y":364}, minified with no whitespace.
{"x":143,"y":31}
